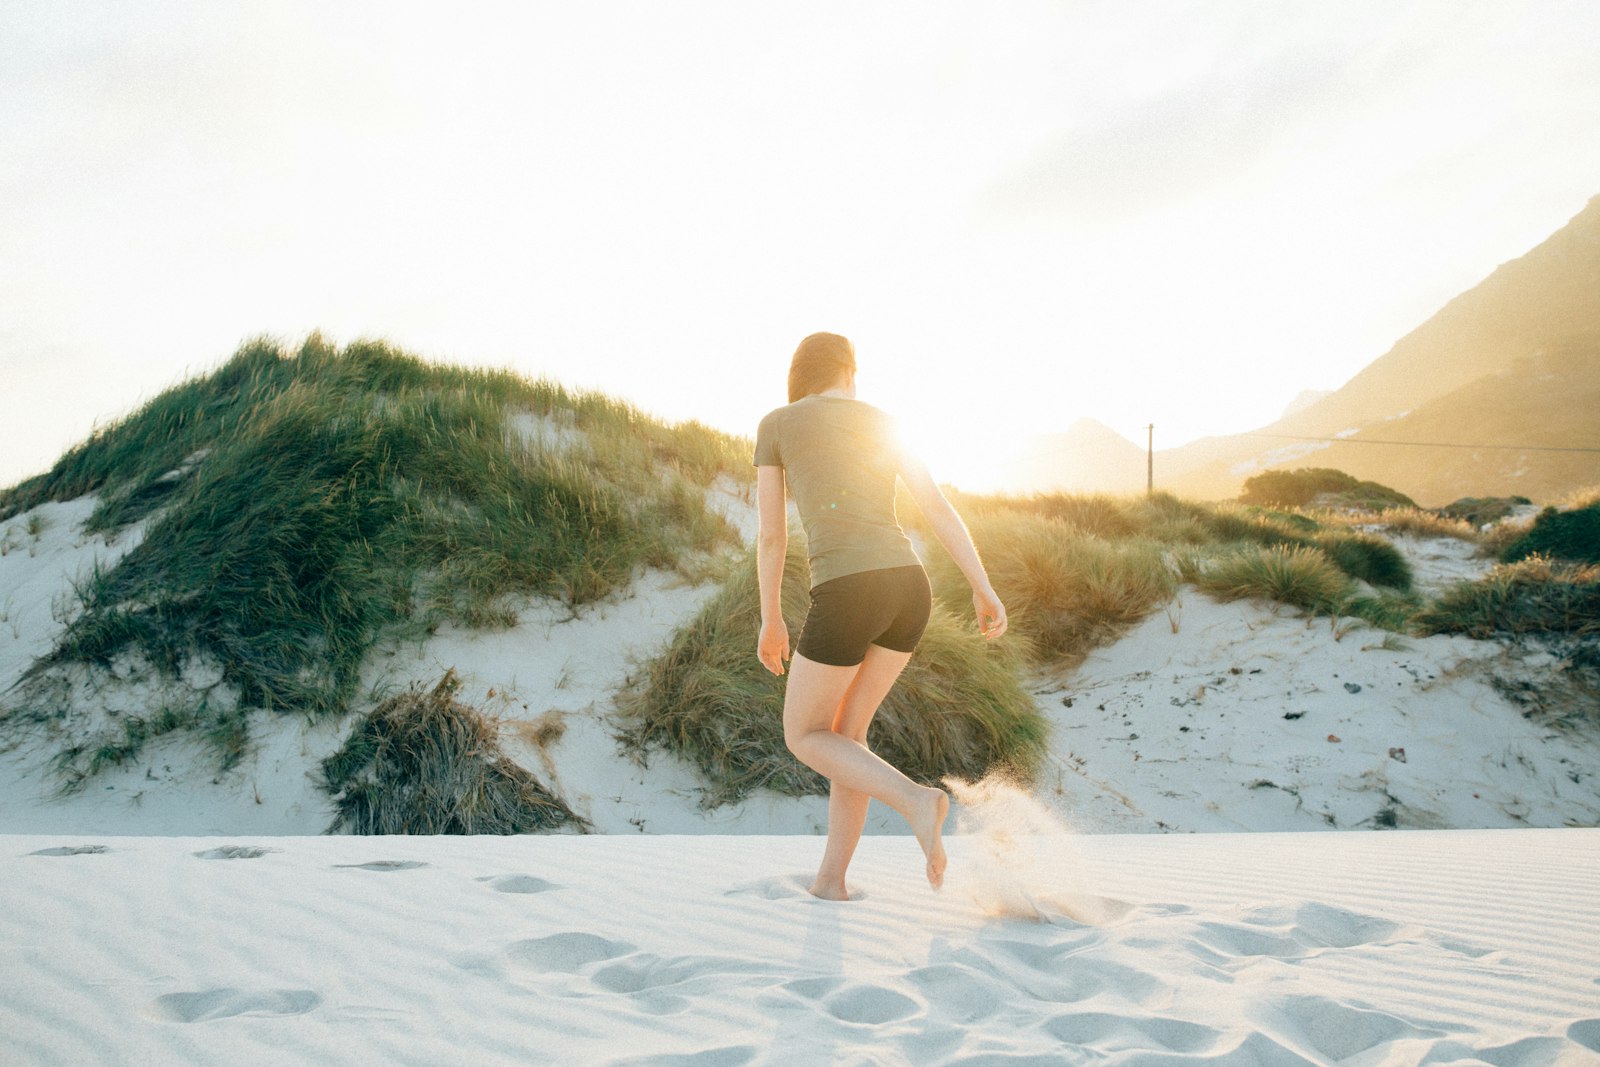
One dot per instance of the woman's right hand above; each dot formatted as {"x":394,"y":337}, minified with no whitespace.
{"x":772,"y":647}
{"x":991,"y":613}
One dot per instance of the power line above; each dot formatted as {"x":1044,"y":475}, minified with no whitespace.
{"x":1065,"y":448}
{"x":1421,"y":444}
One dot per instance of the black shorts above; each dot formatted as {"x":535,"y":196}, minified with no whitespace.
{"x":887,"y":607}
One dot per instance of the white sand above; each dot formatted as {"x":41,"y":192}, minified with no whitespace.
{"x":1250,"y":717}
{"x":1435,"y":947}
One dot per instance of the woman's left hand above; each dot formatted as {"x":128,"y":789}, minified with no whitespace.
{"x":991,"y":613}
{"x":772,"y":648}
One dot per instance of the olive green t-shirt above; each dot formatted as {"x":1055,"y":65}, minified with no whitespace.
{"x":839,"y":457}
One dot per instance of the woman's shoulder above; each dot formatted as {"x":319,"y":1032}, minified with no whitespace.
{"x":774,"y":417}
{"x":826,"y":408}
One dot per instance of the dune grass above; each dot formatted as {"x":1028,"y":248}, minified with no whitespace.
{"x":301,"y":504}
{"x":1300,"y":576}
{"x":423,"y":763}
{"x":1413,"y":521}
{"x":1530,"y":596}
{"x":1066,"y":592}
{"x":221,"y":728}
{"x":958,"y":709}
{"x":1165,"y":520}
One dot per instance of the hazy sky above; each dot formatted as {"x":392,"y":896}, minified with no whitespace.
{"x":1022,"y":213}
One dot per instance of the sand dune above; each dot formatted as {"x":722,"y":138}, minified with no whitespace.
{"x":1205,"y":717}
{"x":1425,"y":947}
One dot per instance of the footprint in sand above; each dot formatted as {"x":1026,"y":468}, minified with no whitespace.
{"x":1055,"y":973}
{"x":962,"y":995}
{"x":209,"y":1004}
{"x":866,"y":1004}
{"x":871,"y":1005}
{"x":234,"y":852}
{"x":566,"y":952}
{"x":1326,"y":926}
{"x":785,"y":887}
{"x":1334,"y":1029}
{"x":385,"y":865}
{"x":645,"y":971}
{"x":72,"y":850}
{"x":1463,"y":948}
{"x":1283,"y":934}
{"x":1108,"y":1032}
{"x":518,"y":883}
{"x":1585,"y":1032}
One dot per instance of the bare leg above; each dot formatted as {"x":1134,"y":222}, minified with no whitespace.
{"x":847,"y":816}
{"x":815,"y":696}
{"x":847,"y":808}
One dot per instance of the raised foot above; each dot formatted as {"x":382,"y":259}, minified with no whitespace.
{"x":927,"y":822}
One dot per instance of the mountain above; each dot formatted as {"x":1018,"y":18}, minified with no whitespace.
{"x":1305,"y":399}
{"x":1510,"y":368}
{"x":1089,"y":457}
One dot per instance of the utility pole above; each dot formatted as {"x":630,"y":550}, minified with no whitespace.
{"x":1150,"y":460}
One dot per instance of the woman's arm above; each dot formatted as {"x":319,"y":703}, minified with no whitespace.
{"x":772,"y":544}
{"x":952,"y":533}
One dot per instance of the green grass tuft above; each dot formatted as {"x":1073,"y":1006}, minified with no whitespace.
{"x":1530,"y":596}
{"x":125,"y":741}
{"x":958,"y":709}
{"x":1299,"y":576}
{"x":1065,"y":592}
{"x":423,"y":763}
{"x":1572,"y":535}
{"x":1369,"y":557}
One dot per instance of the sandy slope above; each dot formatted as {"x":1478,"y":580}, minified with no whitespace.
{"x":1248,"y":717}
{"x":1361,"y":949}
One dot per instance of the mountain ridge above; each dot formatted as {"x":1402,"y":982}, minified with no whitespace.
{"x":1510,"y":367}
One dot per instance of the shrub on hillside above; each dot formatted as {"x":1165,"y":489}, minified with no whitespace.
{"x":1320,"y":485}
{"x":423,"y":763}
{"x":958,"y":708}
{"x":1479,"y":511}
{"x":1569,"y":535}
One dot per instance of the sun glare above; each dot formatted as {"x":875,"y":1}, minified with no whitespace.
{"x":960,"y":456}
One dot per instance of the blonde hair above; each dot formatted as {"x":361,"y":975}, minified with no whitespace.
{"x":819,"y":363}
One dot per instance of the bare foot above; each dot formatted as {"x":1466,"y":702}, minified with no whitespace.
{"x":927,"y":823}
{"x":829,"y":890}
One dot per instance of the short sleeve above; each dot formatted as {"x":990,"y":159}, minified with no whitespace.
{"x":767,"y":452}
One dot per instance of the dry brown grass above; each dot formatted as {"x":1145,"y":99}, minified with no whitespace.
{"x":544,"y":731}
{"x":423,"y":763}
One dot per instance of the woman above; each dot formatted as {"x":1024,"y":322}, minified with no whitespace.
{"x":869,"y":593}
